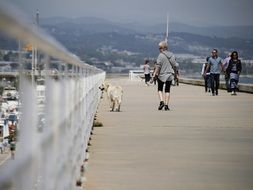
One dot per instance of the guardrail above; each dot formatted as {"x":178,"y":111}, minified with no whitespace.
{"x":53,"y":133}
{"x":136,"y":74}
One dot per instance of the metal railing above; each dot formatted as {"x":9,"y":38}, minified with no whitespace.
{"x":54,"y":128}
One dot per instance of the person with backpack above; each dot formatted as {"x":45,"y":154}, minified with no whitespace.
{"x":164,"y":70}
{"x":233,"y":70}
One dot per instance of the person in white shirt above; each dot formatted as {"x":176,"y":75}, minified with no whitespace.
{"x":146,"y":69}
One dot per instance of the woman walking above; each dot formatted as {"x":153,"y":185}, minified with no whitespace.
{"x":233,"y":71}
{"x":164,"y":69}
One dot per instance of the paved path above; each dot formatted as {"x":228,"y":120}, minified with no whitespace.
{"x":203,"y":143}
{"x":5,"y":156}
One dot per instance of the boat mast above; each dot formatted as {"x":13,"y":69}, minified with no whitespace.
{"x":167,"y":29}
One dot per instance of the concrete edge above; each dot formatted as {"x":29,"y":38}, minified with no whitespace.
{"x":248,"y":88}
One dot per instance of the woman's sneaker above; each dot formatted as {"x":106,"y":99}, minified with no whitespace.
{"x":166,"y":108}
{"x":161,"y":105}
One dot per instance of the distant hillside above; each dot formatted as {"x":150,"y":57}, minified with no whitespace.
{"x":128,"y":49}
{"x":84,"y":36}
{"x":87,"y":34}
{"x":85,"y":25}
{"x":245,"y":32}
{"x":97,"y":25}
{"x":201,"y":45}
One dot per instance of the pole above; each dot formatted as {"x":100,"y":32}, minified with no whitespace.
{"x":35,"y":49}
{"x":32,"y":73}
{"x":167,"y":29}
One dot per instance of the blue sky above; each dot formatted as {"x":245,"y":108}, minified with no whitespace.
{"x":193,"y":12}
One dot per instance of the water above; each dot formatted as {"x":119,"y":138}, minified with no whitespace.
{"x":246,"y":80}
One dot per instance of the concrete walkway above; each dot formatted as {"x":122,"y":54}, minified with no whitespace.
{"x":203,"y":143}
{"x":4,"y":157}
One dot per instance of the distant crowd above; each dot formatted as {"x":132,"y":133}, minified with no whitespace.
{"x":231,"y":67}
{"x":166,"y":71}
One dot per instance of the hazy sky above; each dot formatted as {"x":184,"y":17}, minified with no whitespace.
{"x":194,"y":12}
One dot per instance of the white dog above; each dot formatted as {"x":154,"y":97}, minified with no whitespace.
{"x":114,"y":94}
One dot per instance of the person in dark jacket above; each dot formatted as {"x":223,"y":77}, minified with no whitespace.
{"x":233,"y":70}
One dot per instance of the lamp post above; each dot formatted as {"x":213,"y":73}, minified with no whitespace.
{"x":34,"y":49}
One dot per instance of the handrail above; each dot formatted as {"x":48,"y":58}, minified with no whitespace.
{"x":69,"y":108}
